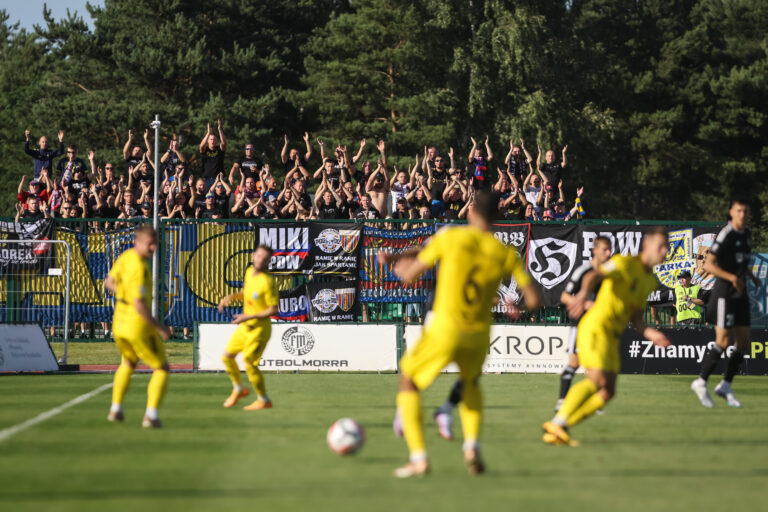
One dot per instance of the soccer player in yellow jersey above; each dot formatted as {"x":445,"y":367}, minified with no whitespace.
{"x":260,"y":298}
{"x":137,"y":334}
{"x":472,"y":263}
{"x":626,"y":283}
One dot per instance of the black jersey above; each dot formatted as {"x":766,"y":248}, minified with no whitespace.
{"x":574,"y":284}
{"x":732,"y":250}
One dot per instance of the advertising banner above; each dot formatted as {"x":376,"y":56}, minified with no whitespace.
{"x":517,"y":348}
{"x":686,"y":352}
{"x":333,"y":301}
{"x":360,"y":347}
{"x":23,"y":348}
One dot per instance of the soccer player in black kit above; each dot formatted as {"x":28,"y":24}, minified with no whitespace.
{"x":728,"y":308}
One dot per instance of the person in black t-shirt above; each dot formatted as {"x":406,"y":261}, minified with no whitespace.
{"x":212,"y":154}
{"x":549,"y":169}
{"x":133,"y":155}
{"x":171,"y":158}
{"x":455,"y":197}
{"x":517,"y":165}
{"x":728,"y":260}
{"x":366,"y":210}
{"x":327,"y":202}
{"x":249,"y":166}
{"x":331,"y":172}
{"x":419,"y":197}
{"x":208,"y":208}
{"x":34,"y":210}
{"x":513,"y":207}
{"x":292,"y":159}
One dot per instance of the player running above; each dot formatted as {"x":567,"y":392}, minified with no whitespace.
{"x":137,"y":334}
{"x":472,"y":264}
{"x":260,"y":298}
{"x":601,"y":252}
{"x":627,"y":281}
{"x":728,"y":309}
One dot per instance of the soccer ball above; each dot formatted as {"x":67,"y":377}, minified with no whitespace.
{"x":345,"y":436}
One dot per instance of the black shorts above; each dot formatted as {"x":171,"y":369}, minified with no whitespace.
{"x":727,"y":313}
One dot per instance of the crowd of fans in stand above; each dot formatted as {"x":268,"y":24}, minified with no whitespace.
{"x":435,"y":186}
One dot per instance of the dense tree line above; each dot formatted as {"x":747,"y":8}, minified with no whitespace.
{"x":662,"y":102}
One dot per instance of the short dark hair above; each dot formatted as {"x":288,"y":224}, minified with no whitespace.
{"x":266,"y":248}
{"x":602,"y":240}
{"x":486,"y":205}
{"x":737,"y":199}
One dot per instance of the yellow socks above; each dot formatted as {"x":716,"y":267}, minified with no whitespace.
{"x":587,"y":409}
{"x":232,"y":370}
{"x":577,"y":395}
{"x":257,"y":380}
{"x":471,"y":412}
{"x":156,"y":389}
{"x":121,"y":382}
{"x":409,"y":405}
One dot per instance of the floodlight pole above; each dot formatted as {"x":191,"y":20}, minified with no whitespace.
{"x":155,"y":219}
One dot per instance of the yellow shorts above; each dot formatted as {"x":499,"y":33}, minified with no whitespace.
{"x":251,"y":341}
{"x":147,"y":346}
{"x":440,"y":345}
{"x":597,"y":349}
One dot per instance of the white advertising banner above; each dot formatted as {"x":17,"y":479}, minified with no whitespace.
{"x":23,"y":348}
{"x":517,"y":348}
{"x":315,"y":347}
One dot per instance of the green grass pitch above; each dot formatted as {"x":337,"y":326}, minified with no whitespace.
{"x":655,"y":448}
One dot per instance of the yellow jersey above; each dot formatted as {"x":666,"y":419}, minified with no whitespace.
{"x":133,"y":279}
{"x":472,"y":263}
{"x":259,"y":293}
{"x":625,"y":289}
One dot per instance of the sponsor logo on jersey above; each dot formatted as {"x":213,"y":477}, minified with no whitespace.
{"x":298,"y":341}
{"x":325,"y":300}
{"x":551,"y":260}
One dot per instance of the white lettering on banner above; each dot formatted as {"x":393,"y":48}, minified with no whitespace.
{"x":282,"y":239}
{"x":645,"y":349}
{"x":623,"y":242}
{"x":517,"y":348}
{"x":317,"y":347}
{"x":23,"y":348}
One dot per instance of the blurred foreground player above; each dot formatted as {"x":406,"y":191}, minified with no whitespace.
{"x":260,"y":298}
{"x":137,"y":334}
{"x":626,"y":283}
{"x":601,"y":252}
{"x":728,"y":309}
{"x":472,"y":263}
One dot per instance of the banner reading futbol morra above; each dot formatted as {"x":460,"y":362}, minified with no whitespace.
{"x":556,"y":250}
{"x":20,"y":254}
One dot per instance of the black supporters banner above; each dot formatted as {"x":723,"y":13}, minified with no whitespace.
{"x":517,"y":236}
{"x":293,"y":305}
{"x":556,"y":250}
{"x":333,"y":301}
{"x":311,"y":248}
{"x":24,"y":245}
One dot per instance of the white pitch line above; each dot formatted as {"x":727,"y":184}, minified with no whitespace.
{"x":11,"y":431}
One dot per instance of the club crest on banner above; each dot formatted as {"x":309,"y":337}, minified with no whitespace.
{"x":679,"y":257}
{"x":325,"y":300}
{"x":551,"y":260}
{"x":328,"y":241}
{"x":349,"y":240}
{"x":346,"y":298}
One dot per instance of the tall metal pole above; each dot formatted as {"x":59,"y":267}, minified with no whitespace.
{"x":155,"y":219}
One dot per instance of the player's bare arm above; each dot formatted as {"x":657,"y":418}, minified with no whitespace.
{"x":407,"y":267}
{"x":110,"y":284}
{"x":227,"y":300}
{"x":578,"y":303}
{"x":266,"y":313}
{"x":653,"y":335}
